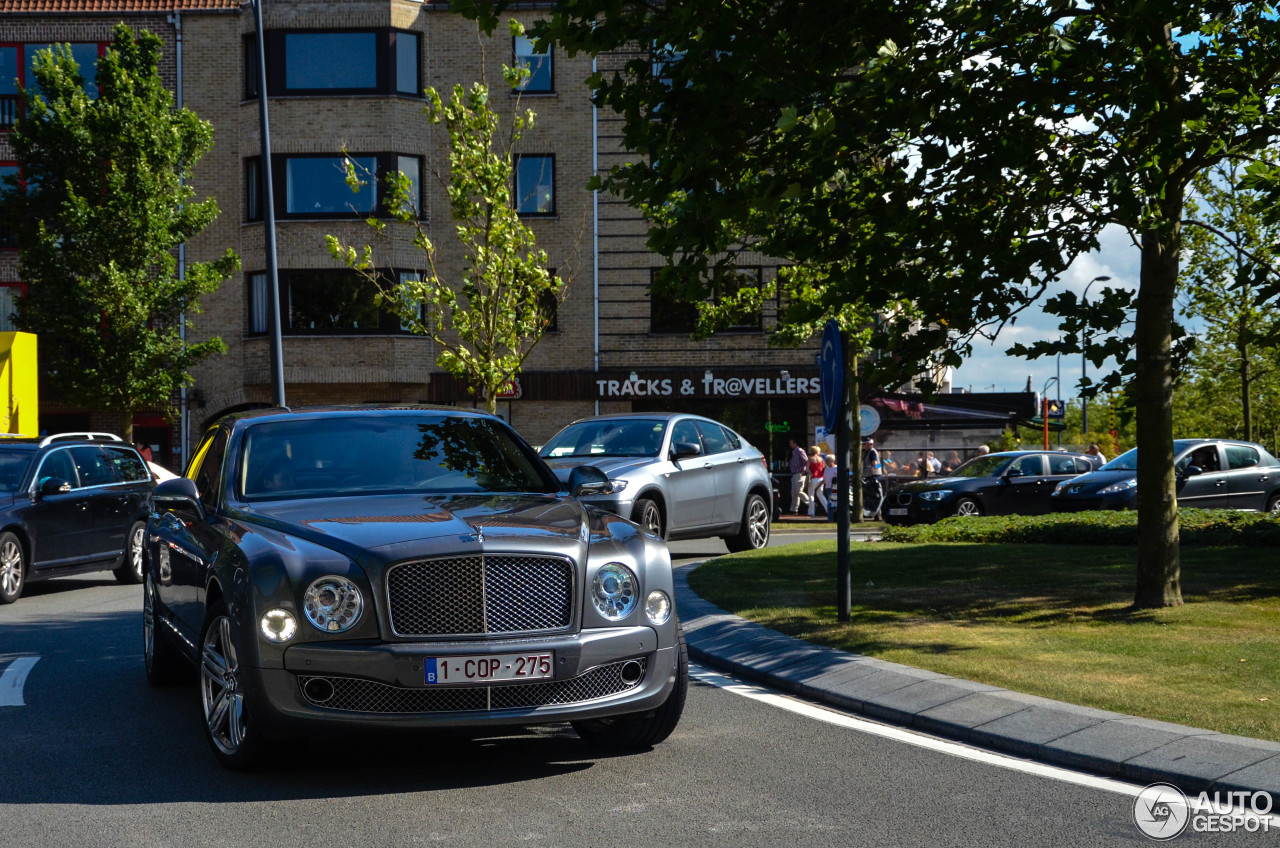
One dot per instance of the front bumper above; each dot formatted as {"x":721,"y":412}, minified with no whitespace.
{"x":917,"y":511}
{"x":381,"y":685}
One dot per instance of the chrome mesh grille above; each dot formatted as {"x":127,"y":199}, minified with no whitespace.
{"x":352,"y":694}
{"x":475,"y":595}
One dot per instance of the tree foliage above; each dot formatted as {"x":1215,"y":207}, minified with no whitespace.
{"x":487,"y":319}
{"x":101,"y":210}
{"x":957,"y":156}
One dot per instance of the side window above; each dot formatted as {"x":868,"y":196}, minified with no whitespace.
{"x":1031,"y":466}
{"x":713,"y":438}
{"x":1239,"y":456}
{"x":684,"y":431}
{"x":1083,"y":466}
{"x":92,"y":466}
{"x":59,"y":465}
{"x":128,"y":465}
{"x":734,"y":442}
{"x":206,"y":468}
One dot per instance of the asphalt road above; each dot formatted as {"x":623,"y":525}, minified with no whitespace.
{"x":96,"y":757}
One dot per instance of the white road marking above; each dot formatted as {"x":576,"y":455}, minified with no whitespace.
{"x":13,"y":679}
{"x":913,"y":737}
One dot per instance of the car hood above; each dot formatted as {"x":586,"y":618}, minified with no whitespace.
{"x":1090,"y":483}
{"x":404,"y":524}
{"x":613,"y":466}
{"x":917,"y":486}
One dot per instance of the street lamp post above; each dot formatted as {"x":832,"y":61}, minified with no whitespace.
{"x":1084,"y":364}
{"x":1044,"y":406}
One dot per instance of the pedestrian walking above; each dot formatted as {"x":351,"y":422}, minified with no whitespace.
{"x":1095,"y":455}
{"x":814,"y":485}
{"x":799,"y":468}
{"x":829,"y":472}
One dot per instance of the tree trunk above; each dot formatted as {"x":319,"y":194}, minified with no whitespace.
{"x":126,"y":426}
{"x":1159,"y":570}
{"x":1245,"y":379}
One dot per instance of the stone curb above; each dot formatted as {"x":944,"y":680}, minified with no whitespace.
{"x":1136,"y":750}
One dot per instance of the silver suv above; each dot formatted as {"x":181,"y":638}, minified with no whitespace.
{"x":678,"y":476}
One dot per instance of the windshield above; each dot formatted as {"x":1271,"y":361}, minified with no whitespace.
{"x":982,"y":466}
{"x":607,"y":437}
{"x":13,"y":467}
{"x":1127,"y":461}
{"x":428,"y":454}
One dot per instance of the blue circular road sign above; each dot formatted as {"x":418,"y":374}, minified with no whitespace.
{"x":831,"y":372}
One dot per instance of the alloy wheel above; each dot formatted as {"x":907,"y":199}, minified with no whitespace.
{"x":10,"y":566}
{"x":758,"y":523}
{"x":149,"y":624}
{"x":136,"y":540}
{"x":967,"y":507}
{"x":220,"y":687}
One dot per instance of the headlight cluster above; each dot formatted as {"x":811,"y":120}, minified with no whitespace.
{"x":333,"y":604}
{"x":615,"y":593}
{"x":1122,"y":486}
{"x":934,"y":494}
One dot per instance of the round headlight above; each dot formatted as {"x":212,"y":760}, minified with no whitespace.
{"x":333,"y":604}
{"x":613,"y":591}
{"x":278,"y":625}
{"x":657,"y":607}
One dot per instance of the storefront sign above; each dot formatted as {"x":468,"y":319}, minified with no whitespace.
{"x":510,"y":390}
{"x":706,"y":385}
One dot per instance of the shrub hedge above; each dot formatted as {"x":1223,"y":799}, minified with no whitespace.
{"x":1207,"y":527}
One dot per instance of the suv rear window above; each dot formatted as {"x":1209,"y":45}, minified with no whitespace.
{"x":13,"y":467}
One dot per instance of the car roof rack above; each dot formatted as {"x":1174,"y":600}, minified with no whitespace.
{"x":80,"y":437}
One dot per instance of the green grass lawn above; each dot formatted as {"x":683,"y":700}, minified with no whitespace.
{"x":1043,"y":619}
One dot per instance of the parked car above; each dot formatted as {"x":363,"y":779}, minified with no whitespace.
{"x":1210,"y":473}
{"x":678,"y":476}
{"x":994,"y":484}
{"x":70,"y":503}
{"x":403,"y":568}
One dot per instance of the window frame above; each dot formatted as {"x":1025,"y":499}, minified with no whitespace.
{"x":515,"y":189}
{"x":389,"y":323}
{"x":524,"y":90}
{"x":675,"y":326}
{"x":385,"y":162}
{"x":386,"y":63}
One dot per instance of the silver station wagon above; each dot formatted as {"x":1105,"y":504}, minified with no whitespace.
{"x":679,"y":476}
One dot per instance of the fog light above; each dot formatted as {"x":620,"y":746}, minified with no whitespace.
{"x":278,"y":625}
{"x":613,"y":591}
{"x":657,"y":607}
{"x":333,"y":604}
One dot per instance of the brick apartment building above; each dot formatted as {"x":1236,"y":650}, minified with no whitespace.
{"x":348,"y":75}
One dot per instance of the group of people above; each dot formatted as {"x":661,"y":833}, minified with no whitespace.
{"x":813,"y":478}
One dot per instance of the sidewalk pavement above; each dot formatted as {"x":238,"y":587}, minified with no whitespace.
{"x":1138,"y":750}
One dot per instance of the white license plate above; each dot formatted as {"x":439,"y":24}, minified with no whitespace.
{"x":485,"y":668}
{"x":902,"y":511}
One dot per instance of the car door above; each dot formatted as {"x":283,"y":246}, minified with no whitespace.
{"x":188,"y":543}
{"x":97,"y":480}
{"x":1210,"y":489}
{"x":1024,"y":489}
{"x":725,"y":456}
{"x":59,"y":522}
{"x":1248,"y":481}
{"x":127,"y":497}
{"x":690,"y":484}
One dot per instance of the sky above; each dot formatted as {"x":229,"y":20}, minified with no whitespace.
{"x":991,"y":369}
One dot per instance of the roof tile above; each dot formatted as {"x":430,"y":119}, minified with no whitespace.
{"x":80,"y":6}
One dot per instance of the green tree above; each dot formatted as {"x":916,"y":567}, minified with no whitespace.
{"x":488,"y":319}
{"x":105,"y":207}
{"x":1231,"y":251}
{"x":964,"y":152}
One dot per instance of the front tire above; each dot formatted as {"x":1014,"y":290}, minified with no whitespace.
{"x":967,"y":508}
{"x":648,"y":515}
{"x":642,"y":730}
{"x":754,"y":533}
{"x":13,"y":568}
{"x":1273,"y":504}
{"x":130,"y":569}
{"x":236,"y":743}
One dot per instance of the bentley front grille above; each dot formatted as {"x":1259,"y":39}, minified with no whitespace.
{"x":350,"y":694}
{"x":481,"y":594}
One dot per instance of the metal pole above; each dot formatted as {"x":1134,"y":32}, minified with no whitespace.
{"x":1059,"y":379}
{"x":269,"y":223}
{"x":844,"y":466}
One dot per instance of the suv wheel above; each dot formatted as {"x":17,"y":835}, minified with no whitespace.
{"x":13,"y":568}
{"x":130,"y":568}
{"x":648,"y":515}
{"x":754,"y":531}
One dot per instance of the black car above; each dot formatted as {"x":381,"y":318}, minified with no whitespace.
{"x":994,"y":484}
{"x":403,"y":568}
{"x":69,"y":504}
{"x":1210,"y":474}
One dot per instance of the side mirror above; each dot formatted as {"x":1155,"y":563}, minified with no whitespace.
{"x":684,"y":450}
{"x":587,"y":480}
{"x":53,"y":486}
{"x":178,"y":495}
{"x":1014,"y":472}
{"x":1193,"y":470}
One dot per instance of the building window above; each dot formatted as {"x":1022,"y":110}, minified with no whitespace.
{"x":16,"y":63}
{"x":9,"y":295}
{"x":335,"y":62}
{"x":321,"y":302}
{"x":316,"y":186}
{"x":549,"y":306}
{"x":535,"y":185}
{"x":8,"y":180}
{"x":670,"y":313}
{"x":541,"y":80}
